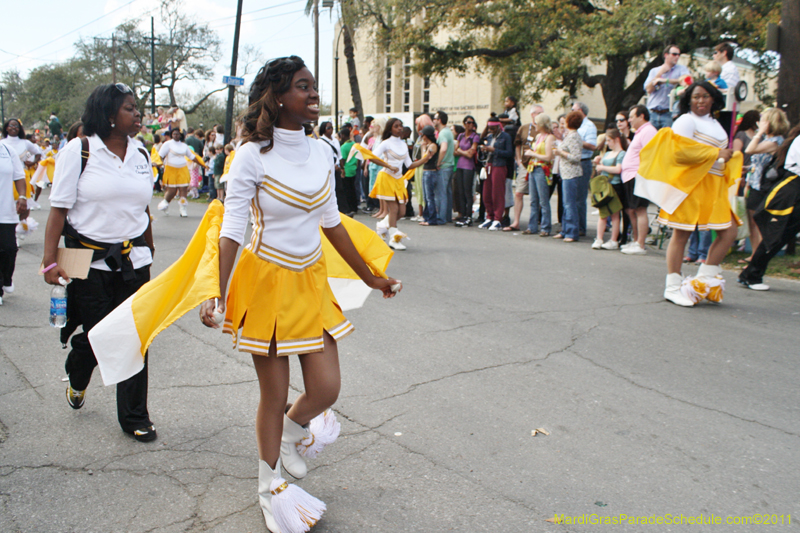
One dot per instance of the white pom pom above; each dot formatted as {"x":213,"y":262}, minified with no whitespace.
{"x":323,"y":430}
{"x":294,"y":510}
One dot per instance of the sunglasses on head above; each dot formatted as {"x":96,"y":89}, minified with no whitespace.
{"x":124,"y":89}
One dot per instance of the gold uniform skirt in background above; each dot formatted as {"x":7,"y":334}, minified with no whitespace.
{"x":389,"y":188}
{"x":266,"y":299}
{"x":176,"y":177}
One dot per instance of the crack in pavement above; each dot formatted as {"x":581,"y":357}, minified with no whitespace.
{"x":415,"y":386}
{"x":685,"y":402}
{"x":224,"y":353}
{"x":21,"y":375}
{"x":193,"y":386}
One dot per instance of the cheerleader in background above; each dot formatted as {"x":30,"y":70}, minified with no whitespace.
{"x":44,"y":171}
{"x":176,"y":172}
{"x":371,"y":141}
{"x":279,"y":296}
{"x":390,"y":187}
{"x":30,"y":154}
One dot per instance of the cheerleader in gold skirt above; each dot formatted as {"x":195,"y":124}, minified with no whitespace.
{"x":279,"y":302}
{"x":390,"y":186}
{"x":687,"y":171}
{"x":175,"y":154}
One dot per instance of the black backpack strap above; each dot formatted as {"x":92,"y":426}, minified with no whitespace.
{"x":84,"y":152}
{"x":144,"y":153}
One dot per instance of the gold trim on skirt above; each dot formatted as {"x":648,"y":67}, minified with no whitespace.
{"x":267,"y":300}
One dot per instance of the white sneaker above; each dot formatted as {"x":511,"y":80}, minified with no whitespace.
{"x":485,"y":224}
{"x":1,"y":300}
{"x":183,"y":210}
{"x":597,"y":244}
{"x":746,"y":285}
{"x":610,"y":245}
{"x":626,"y":245}
{"x":634,"y":249}
{"x":10,"y":289}
{"x":496,"y":226}
{"x":163,"y":205}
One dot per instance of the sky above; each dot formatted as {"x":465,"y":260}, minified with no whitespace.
{"x":276,"y":27}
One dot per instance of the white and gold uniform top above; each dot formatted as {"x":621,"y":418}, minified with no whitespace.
{"x":394,"y":151}
{"x":174,"y":153}
{"x":24,"y":148}
{"x":289,"y":191}
{"x":704,"y":130}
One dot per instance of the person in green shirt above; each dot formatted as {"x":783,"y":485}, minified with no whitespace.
{"x":447,"y":163}
{"x":350,"y":170}
{"x":55,"y":125}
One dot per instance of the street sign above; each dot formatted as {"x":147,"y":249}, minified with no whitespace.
{"x":231,"y":80}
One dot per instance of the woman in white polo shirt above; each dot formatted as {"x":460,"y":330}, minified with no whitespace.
{"x":12,"y":178}
{"x":102,"y":202}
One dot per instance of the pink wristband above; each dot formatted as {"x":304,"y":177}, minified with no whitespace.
{"x":51,"y":267}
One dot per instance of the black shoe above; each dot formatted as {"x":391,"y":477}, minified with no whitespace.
{"x":147,"y":434}
{"x":75,"y":398}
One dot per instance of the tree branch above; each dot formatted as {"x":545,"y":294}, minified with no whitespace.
{"x":197,"y":104}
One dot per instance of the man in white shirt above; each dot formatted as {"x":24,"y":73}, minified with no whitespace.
{"x":723,"y":54}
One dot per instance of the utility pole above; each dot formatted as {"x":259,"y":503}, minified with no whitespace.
{"x":232,"y":89}
{"x":316,"y":41}
{"x":153,"y":66}
{"x":113,"y":58}
{"x":2,"y":107}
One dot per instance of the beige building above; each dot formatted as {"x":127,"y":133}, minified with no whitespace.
{"x":393,"y":88}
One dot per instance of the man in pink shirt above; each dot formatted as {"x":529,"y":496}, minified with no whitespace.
{"x":637,"y":207}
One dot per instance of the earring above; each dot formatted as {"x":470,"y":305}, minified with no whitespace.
{"x":280,"y":104}
{"x":113,"y":125}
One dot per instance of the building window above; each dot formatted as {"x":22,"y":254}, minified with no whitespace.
{"x":406,"y":83}
{"x":426,"y":95}
{"x":388,"y":92}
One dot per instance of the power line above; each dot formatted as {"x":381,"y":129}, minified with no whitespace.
{"x":69,"y":32}
{"x":256,"y":10}
{"x":262,"y":18}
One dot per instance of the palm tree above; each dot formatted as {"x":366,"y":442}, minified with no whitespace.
{"x":348,"y":18}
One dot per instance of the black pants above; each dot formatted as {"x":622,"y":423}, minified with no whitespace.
{"x":463,"y":185}
{"x":8,"y":254}
{"x":778,"y":219}
{"x":341,"y":200}
{"x":409,"y":207}
{"x":94,"y":298}
{"x":350,"y":194}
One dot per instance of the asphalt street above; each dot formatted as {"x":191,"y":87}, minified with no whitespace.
{"x":652,"y":410}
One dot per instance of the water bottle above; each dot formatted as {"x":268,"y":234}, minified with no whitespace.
{"x":58,"y":305}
